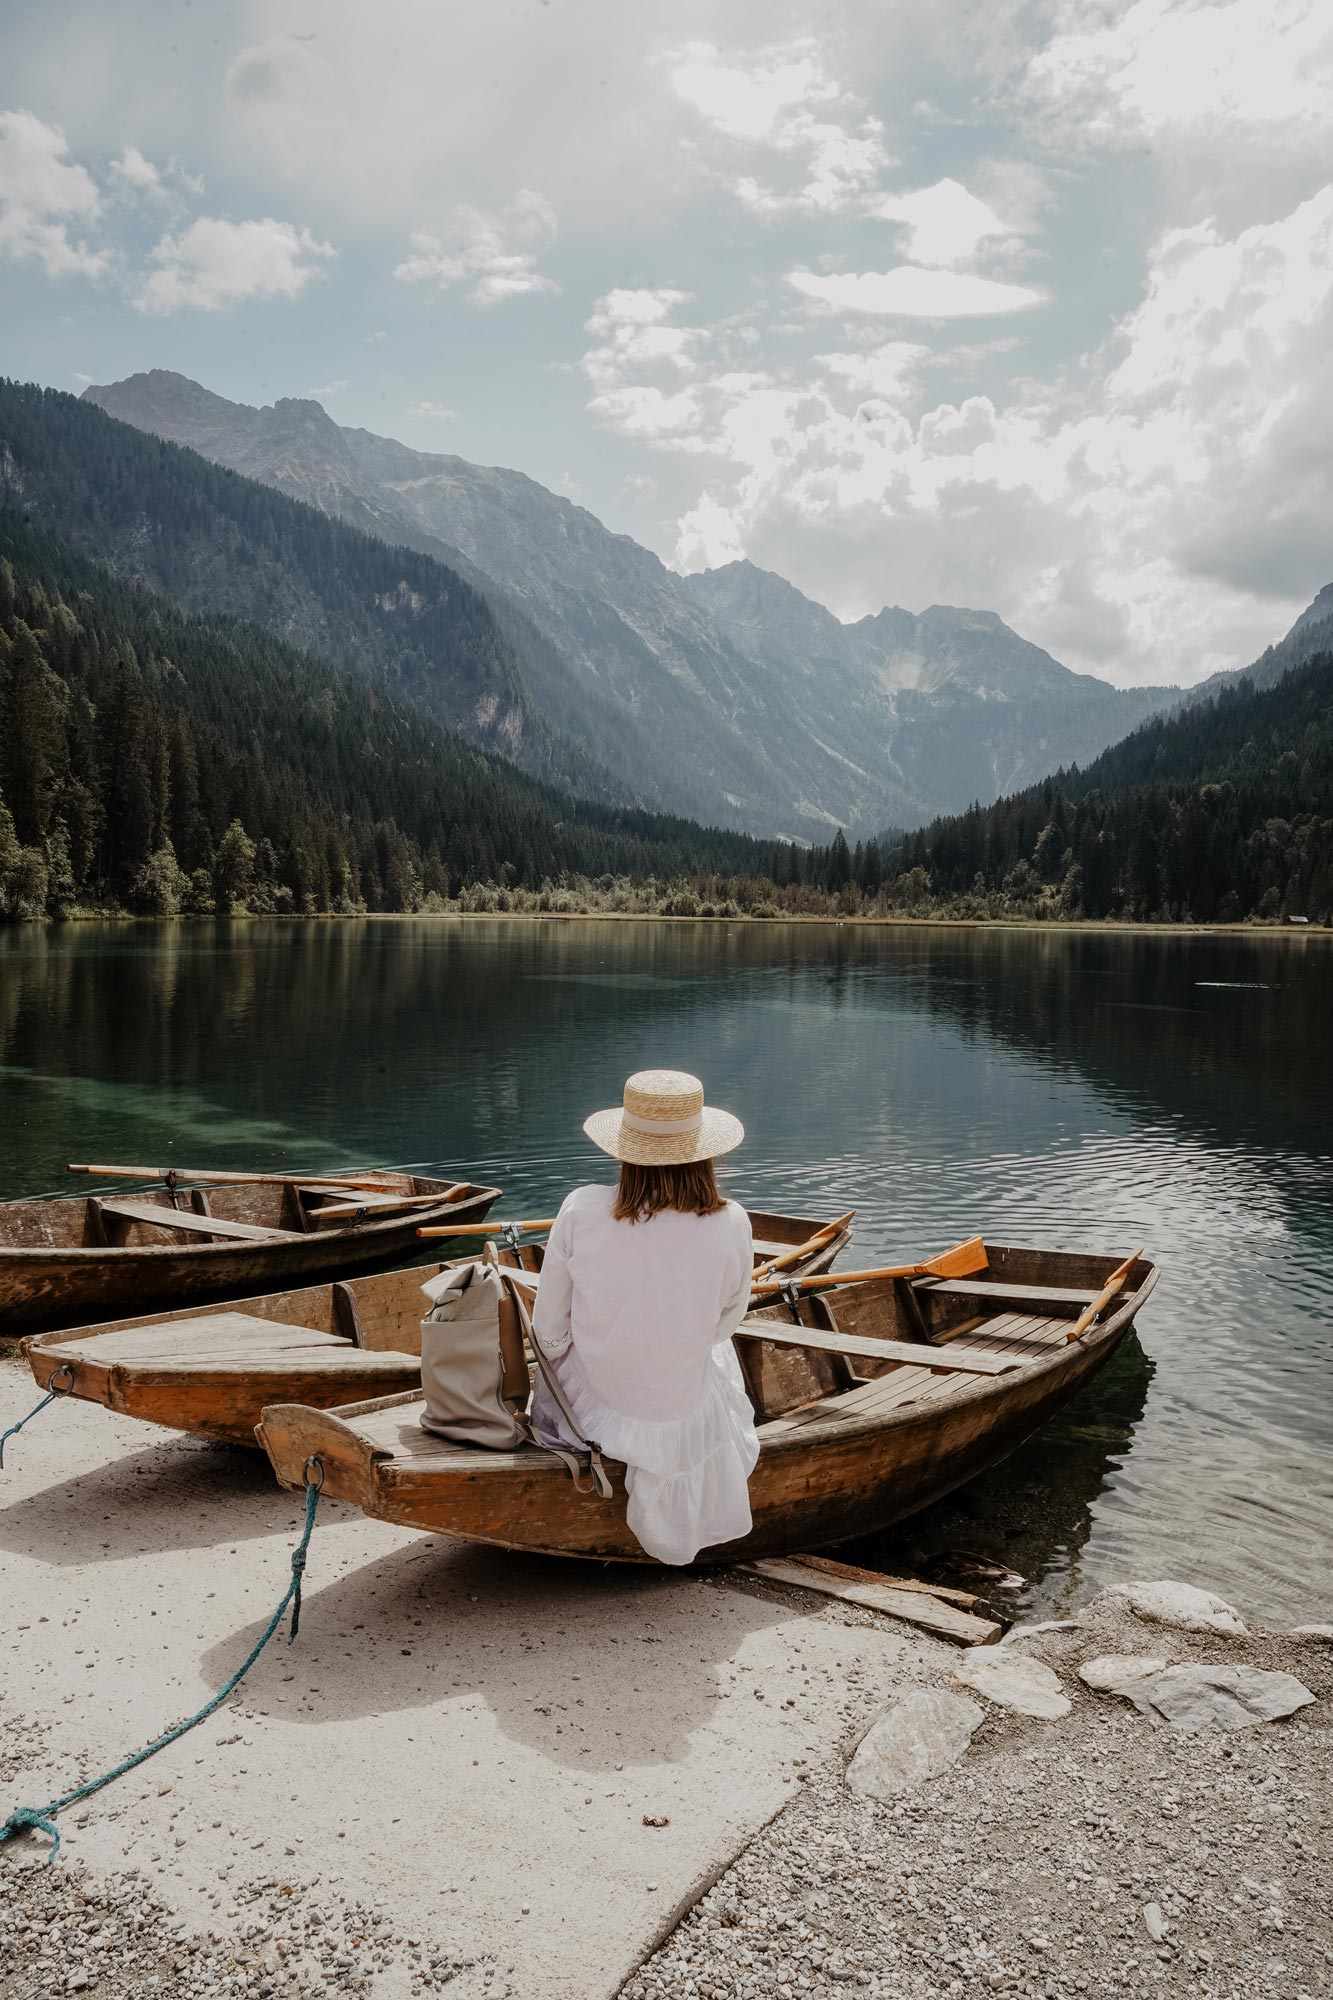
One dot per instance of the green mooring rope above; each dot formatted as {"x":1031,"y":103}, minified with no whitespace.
{"x":42,"y":1818}
{"x":51,"y":1396}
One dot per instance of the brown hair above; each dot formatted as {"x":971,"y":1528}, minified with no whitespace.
{"x":646,"y":1191}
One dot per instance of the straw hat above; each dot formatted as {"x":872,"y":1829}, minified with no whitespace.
{"x":664,"y":1122}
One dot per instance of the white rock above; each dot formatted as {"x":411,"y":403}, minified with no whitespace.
{"x":1221,"y":1697}
{"x":1154,"y":1922}
{"x":1313,"y":1632}
{"x":1013,"y":1680}
{"x":1046,"y":1625}
{"x":913,"y":1741}
{"x":1183,"y":1605}
{"x":1115,"y":1670}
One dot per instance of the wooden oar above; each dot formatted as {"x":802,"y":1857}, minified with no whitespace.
{"x":803,"y":1250}
{"x":1104,"y":1297}
{"x":390,"y":1207}
{"x":216,"y":1178}
{"x":484,"y":1228}
{"x":960,"y":1262}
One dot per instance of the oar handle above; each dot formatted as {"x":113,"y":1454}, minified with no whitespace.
{"x":821,"y":1237}
{"x":484,"y":1228}
{"x":961,"y":1262}
{"x":825,"y":1280}
{"x":1114,"y":1284}
{"x":214,"y":1177}
{"x":337,"y":1208}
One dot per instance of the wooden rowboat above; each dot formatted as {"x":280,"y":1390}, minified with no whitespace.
{"x":63,"y":1260}
{"x":212,"y":1370}
{"x":868,"y":1410}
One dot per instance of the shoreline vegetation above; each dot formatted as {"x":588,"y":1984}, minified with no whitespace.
{"x":1252,"y":927}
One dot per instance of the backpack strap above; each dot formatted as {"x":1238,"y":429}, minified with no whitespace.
{"x":587,"y":1470}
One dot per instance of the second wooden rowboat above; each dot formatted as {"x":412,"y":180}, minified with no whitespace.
{"x":63,"y":1260}
{"x":868,"y":1411}
{"x":211,"y":1370}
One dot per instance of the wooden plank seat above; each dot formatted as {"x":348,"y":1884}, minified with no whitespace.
{"x":190,"y":1224}
{"x":1011,"y":1335}
{"x":988,"y":1288}
{"x":966,"y":1361}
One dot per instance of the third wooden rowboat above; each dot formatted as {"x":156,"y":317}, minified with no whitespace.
{"x":851,"y":1440}
{"x":63,"y":1260}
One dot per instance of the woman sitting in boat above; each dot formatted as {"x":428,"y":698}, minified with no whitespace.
{"x":642,"y":1287}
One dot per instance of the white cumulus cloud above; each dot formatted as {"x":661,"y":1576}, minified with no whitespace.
{"x":1153,"y":510}
{"x":913,"y":293}
{"x":946,"y":224}
{"x":215,"y":263}
{"x":135,"y":171}
{"x":439,"y":413}
{"x":1155,"y":67}
{"x":494,"y":254}
{"x":781,"y":104}
{"x":44,"y":196}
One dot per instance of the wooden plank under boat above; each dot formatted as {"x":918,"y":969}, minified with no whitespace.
{"x":64,"y":1259}
{"x":849,"y":1441}
{"x":212,"y":1370}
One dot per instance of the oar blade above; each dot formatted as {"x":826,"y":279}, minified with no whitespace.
{"x":963,"y":1261}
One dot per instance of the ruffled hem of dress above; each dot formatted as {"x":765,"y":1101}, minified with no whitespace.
{"x":723,"y":1421}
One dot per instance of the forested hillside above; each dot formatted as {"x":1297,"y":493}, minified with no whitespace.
{"x":1222,"y":811}
{"x":216,"y":542}
{"x":164,"y":762}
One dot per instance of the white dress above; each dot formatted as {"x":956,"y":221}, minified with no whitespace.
{"x":638,"y":1319}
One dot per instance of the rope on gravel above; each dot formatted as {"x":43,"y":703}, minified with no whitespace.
{"x":42,"y":1818}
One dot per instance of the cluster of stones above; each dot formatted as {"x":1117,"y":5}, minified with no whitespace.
{"x":928,"y":1730}
{"x":1118,"y":1830}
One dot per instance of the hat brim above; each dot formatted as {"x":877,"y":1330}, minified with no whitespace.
{"x":716,"y":1133}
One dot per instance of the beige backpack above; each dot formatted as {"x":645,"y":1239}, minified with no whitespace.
{"x":474,"y":1367}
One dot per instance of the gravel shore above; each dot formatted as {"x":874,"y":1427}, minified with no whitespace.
{"x":1093,"y":1855}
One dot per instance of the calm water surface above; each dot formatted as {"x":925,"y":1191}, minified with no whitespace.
{"x":1062,"y":1088}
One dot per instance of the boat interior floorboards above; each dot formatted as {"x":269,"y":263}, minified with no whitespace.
{"x":1009,"y":1333}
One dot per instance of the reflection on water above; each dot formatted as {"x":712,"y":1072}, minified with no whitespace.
{"x":1081,"y":1089}
{"x":1036,"y":1512}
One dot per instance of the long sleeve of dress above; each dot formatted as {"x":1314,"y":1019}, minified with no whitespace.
{"x":736,"y":1299}
{"x":555,"y":1292}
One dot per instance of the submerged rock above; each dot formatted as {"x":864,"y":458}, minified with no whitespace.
{"x":914,"y":1741}
{"x":1116,"y":1670}
{"x":1324,"y":1632}
{"x":1216,"y":1697}
{"x":1013,"y":1680}
{"x":1182,"y":1605}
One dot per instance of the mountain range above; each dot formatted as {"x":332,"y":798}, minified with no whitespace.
{"x":728,"y":695}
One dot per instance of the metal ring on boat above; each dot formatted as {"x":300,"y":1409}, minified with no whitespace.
{"x":63,"y":1369}
{"x":305,"y":1473}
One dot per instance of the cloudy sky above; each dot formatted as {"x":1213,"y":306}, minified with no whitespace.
{"x":1023,"y":304}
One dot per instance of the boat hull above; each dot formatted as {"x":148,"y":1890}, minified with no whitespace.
{"x":808,"y":1490}
{"x":64,"y":1286}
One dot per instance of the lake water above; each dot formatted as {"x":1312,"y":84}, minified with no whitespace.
{"x":1073,"y":1089}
